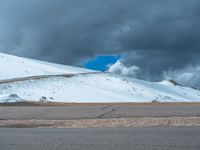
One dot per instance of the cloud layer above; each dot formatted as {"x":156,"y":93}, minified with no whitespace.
{"x":159,"y":37}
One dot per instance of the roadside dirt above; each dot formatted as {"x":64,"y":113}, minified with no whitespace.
{"x":97,"y":123}
{"x":98,"y":104}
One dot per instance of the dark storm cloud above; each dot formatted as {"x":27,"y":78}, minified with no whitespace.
{"x":157,"y":36}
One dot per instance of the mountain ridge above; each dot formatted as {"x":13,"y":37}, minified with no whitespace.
{"x":60,"y":83}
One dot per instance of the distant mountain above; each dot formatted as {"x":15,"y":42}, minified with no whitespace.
{"x":23,"y":79}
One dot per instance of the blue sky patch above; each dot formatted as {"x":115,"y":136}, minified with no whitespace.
{"x":101,"y":62}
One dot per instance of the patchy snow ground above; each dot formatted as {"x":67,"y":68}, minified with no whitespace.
{"x":92,"y":87}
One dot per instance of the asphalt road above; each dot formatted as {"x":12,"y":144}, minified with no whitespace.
{"x":99,"y":111}
{"x":157,"y":138}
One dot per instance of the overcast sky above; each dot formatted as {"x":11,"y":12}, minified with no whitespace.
{"x":157,"y":39}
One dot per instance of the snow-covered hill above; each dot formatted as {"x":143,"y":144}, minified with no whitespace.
{"x":81,"y":85}
{"x":14,"y":67}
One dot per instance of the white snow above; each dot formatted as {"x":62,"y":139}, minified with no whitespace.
{"x":102,"y":87}
{"x":91,"y":87}
{"x":14,"y":67}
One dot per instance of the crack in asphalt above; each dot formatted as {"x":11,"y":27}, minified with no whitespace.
{"x":108,"y":106}
{"x":106,"y":113}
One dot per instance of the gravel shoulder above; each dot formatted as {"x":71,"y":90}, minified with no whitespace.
{"x":114,"y":122}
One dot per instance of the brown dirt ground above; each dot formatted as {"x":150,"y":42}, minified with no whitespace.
{"x":114,"y":122}
{"x":95,"y":104}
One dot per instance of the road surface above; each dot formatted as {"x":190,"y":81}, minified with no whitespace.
{"x":88,"y":111}
{"x":157,"y":138}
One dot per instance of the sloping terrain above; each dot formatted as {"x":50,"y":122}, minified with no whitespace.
{"x":15,"y":67}
{"x":97,"y":87}
{"x":30,"y":80}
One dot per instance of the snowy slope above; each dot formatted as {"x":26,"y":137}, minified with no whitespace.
{"x":101,"y":87}
{"x":82,"y":86}
{"x":13,"y":67}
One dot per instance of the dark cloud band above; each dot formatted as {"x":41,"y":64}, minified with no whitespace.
{"x":157,"y":36}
